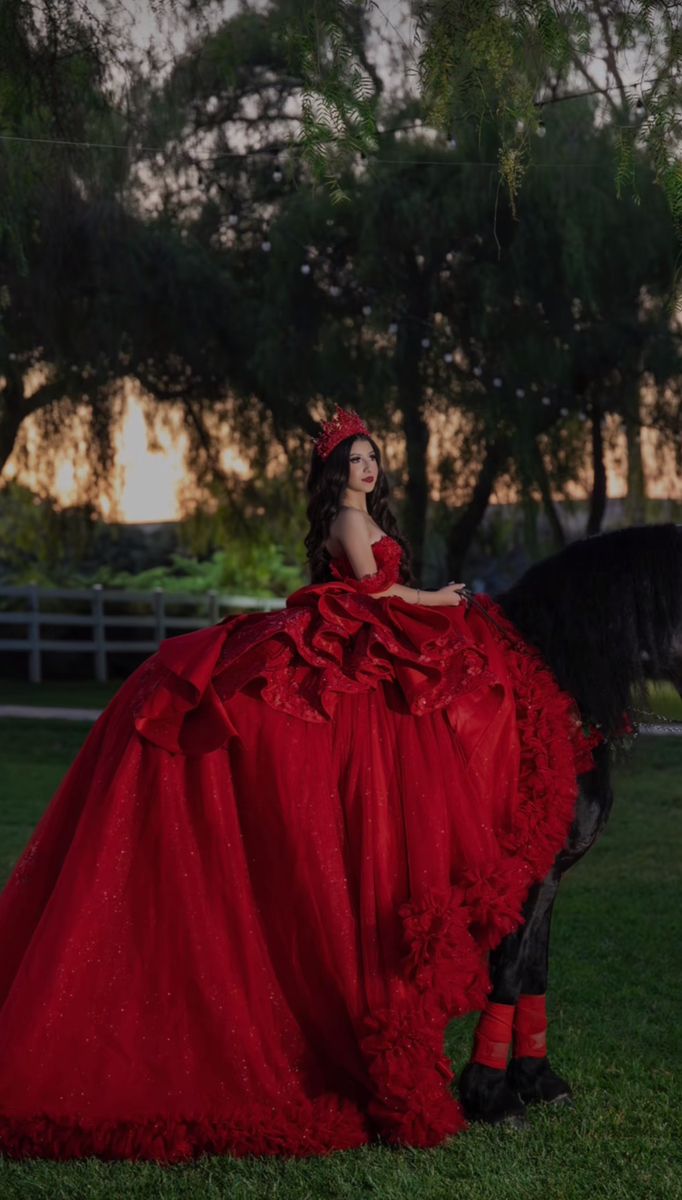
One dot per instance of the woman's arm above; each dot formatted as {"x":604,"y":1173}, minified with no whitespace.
{"x":350,"y":529}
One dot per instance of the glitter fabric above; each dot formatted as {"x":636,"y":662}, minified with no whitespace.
{"x":344,"y":424}
{"x":272,"y":876}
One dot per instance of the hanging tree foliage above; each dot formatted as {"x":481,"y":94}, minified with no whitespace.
{"x":477,"y":59}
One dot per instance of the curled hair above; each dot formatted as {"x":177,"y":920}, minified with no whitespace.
{"x":327,"y":481}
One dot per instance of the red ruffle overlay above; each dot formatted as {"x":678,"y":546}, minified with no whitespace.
{"x":273,"y":876}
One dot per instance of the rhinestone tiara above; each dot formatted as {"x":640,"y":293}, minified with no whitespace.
{"x":342,"y":425}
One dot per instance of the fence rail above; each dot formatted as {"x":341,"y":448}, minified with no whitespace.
{"x":209,"y":608}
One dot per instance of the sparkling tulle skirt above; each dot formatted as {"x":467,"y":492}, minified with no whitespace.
{"x":271,"y":878}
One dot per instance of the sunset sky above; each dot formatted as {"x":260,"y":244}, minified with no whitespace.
{"x":151,"y":476}
{"x":149,"y":481}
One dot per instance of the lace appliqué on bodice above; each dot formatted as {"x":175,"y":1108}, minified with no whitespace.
{"x":388,"y":556}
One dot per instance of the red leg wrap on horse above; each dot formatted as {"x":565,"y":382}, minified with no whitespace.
{"x":492,"y":1040}
{"x":530,"y":1027}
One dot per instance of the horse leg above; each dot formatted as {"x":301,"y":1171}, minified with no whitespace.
{"x":530,"y":1073}
{"x":486,"y":1092}
{"x":519,"y":967}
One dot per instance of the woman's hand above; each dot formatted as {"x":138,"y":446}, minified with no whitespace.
{"x":449,"y":595}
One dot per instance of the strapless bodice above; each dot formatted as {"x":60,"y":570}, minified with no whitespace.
{"x":388,"y":556}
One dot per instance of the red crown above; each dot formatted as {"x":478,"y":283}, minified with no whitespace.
{"x":343,"y":424}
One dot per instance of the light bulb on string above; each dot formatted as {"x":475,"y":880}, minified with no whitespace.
{"x":393,"y":327}
{"x":546,"y":400}
{"x":305,"y":268}
{"x":426,"y":342}
{"x":266,"y":247}
{"x":447,"y":357}
{"x":540,"y":129}
{"x":366,"y":310}
{"x":497,"y":382}
{"x":520,"y":393}
{"x":478,"y":371}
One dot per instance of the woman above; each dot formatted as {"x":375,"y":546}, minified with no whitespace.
{"x":275,"y":869}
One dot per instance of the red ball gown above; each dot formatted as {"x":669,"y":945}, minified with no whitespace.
{"x":272,"y":876}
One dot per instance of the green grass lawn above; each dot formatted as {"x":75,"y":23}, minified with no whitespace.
{"x":58,"y":693}
{"x":615,"y":1032}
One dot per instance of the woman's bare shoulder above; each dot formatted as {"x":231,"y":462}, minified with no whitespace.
{"x":347,"y":520}
{"x":349,"y":525}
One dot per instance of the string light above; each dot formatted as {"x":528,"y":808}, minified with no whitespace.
{"x":275,"y":150}
{"x":431,"y":325}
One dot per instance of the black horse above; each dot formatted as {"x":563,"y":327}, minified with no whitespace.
{"x":606,"y":614}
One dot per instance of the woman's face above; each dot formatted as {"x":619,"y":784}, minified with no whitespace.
{"x":363,"y":467}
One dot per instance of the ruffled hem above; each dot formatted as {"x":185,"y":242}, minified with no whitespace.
{"x":296,"y":1130}
{"x":447,"y":934}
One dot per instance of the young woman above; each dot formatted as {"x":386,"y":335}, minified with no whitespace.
{"x":275,"y":869}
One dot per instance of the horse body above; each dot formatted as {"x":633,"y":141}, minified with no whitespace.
{"x":606,"y":614}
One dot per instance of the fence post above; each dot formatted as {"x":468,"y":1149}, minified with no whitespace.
{"x":159,"y":615}
{"x":213,"y":615}
{"x":98,"y":634}
{"x":35,"y":674}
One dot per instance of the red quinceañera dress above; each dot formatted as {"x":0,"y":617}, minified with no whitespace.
{"x":272,"y":876}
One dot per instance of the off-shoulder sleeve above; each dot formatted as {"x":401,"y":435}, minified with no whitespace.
{"x":379,"y":581}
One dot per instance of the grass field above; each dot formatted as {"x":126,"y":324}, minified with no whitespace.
{"x":615,"y":1010}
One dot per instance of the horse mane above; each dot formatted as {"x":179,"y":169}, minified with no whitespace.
{"x":604,"y":613}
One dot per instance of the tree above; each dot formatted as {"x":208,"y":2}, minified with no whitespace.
{"x":91,"y":289}
{"x":230,"y":284}
{"x":511,"y":62}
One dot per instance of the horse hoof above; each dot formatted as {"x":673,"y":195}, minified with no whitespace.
{"x":561,"y":1100}
{"x":487,"y":1097}
{"x":517,"y":1120}
{"x":535,"y":1082}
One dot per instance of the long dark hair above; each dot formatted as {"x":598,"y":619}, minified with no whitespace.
{"x":327,"y":481}
{"x":606,"y":614}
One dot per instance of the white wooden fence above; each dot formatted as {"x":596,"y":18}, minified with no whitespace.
{"x":161,"y":622}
